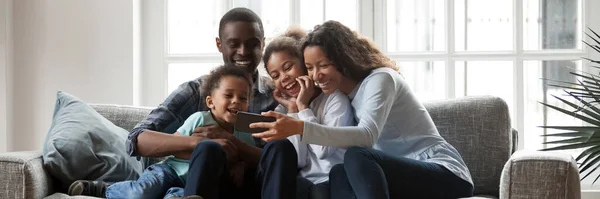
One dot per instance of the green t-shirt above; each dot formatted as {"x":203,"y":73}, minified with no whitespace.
{"x":202,"y":118}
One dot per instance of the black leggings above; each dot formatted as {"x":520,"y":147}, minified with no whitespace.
{"x":275,"y":176}
{"x":369,"y":173}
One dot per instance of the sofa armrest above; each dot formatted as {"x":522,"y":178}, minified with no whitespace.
{"x":537,"y":174}
{"x":22,"y":175}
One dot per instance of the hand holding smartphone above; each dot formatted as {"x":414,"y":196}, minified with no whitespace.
{"x":244,"y":119}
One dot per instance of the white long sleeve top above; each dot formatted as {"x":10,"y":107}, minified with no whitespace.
{"x":315,"y":161}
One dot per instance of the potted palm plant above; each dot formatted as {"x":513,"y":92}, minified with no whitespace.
{"x":586,"y":94}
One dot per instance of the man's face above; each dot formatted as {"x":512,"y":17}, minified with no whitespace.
{"x":241,"y":44}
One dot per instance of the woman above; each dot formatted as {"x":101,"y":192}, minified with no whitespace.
{"x":299,"y":99}
{"x":395,"y":150}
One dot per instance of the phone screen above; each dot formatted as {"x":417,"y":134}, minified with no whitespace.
{"x":244,"y":119}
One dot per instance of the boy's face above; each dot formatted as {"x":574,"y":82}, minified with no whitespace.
{"x":241,"y":44}
{"x":231,"y":96}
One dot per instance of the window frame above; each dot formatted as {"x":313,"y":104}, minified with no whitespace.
{"x":518,"y":55}
{"x":371,"y":23}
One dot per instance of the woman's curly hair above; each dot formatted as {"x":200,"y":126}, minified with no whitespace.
{"x":353,"y":55}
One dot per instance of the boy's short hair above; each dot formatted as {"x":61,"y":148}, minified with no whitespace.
{"x":241,"y":14}
{"x":211,"y":81}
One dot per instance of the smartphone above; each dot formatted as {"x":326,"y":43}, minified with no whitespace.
{"x":244,"y":119}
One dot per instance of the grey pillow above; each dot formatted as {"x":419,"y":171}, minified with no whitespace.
{"x":83,"y":145}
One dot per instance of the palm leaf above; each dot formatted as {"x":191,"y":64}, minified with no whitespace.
{"x":596,"y":48}
{"x":574,"y":88}
{"x":572,"y":146}
{"x":589,"y":82}
{"x":574,"y":128}
{"x":591,"y":150}
{"x":593,"y":113}
{"x":570,"y":83}
{"x":586,"y":107}
{"x":574,"y":114}
{"x":588,"y":104}
{"x":591,"y":156}
{"x":598,"y":62}
{"x":589,"y":164}
{"x":590,"y":172}
{"x":598,"y":36}
{"x":569,"y":134}
{"x":573,"y":140}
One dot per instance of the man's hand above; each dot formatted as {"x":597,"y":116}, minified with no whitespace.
{"x":218,"y":135}
{"x":211,"y":132}
{"x":237,"y":173}
{"x":231,"y":150}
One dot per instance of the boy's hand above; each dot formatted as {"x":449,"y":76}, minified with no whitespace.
{"x":237,"y":173}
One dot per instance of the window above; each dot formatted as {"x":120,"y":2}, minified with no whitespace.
{"x":488,"y":47}
{"x":192,"y":28}
{"x":445,"y":48}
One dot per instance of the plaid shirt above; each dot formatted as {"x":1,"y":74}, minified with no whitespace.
{"x":188,"y":99}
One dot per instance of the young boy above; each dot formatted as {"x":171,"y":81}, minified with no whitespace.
{"x":228,"y":90}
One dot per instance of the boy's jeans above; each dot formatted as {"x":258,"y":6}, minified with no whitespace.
{"x":156,"y":181}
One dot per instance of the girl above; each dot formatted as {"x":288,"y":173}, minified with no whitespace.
{"x":395,"y":151}
{"x":295,"y":91}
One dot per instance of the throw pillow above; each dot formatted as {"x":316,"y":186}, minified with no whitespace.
{"x":83,"y":145}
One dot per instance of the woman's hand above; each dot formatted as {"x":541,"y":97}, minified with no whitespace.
{"x":288,"y":102}
{"x":307,"y":90}
{"x":283,"y":127}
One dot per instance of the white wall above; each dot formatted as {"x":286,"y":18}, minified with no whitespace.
{"x":152,"y":89}
{"x":85,"y":48}
{"x":5,"y":72}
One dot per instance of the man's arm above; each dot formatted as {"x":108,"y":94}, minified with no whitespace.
{"x":157,"y":144}
{"x":152,"y":136}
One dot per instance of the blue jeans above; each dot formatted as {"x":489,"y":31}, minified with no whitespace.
{"x":370,"y":173}
{"x":156,"y":181}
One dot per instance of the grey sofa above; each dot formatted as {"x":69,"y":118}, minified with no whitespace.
{"x":479,"y":127}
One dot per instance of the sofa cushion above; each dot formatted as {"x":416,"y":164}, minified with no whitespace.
{"x":81,"y":144}
{"x":480,"y":129}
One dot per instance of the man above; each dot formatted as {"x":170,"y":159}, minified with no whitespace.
{"x":241,"y":42}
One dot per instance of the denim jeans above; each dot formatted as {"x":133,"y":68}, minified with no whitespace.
{"x":154,"y":182}
{"x":370,"y":173}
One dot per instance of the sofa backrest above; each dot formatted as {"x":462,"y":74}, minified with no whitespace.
{"x":125,"y":117}
{"x":479,"y":128}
